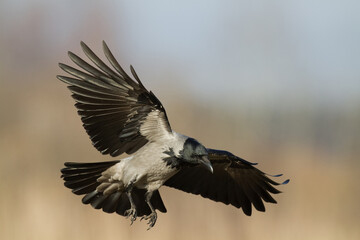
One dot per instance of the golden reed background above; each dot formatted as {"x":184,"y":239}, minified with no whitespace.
{"x":40,"y":130}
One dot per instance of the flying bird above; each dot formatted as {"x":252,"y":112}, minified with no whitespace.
{"x":121,"y":116}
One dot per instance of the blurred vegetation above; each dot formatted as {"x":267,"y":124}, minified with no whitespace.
{"x":298,"y":112}
{"x":317,"y":149}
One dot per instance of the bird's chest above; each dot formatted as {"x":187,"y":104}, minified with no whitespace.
{"x":148,"y":169}
{"x":153,"y":174}
{"x":159,"y":170}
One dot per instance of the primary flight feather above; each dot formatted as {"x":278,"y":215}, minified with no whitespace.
{"x":121,"y":116}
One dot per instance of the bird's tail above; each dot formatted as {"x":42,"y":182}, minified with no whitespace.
{"x":82,"y":179}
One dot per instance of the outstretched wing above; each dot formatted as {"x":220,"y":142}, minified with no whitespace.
{"x":234,"y":181}
{"x":119,"y":114}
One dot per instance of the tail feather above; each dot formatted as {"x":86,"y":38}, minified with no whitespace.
{"x":80,"y":182}
{"x":78,"y":176}
{"x":85,"y":189}
{"x":77,"y":169}
{"x":111,"y":202}
{"x":82,"y":179}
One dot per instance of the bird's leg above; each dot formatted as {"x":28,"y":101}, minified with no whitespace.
{"x":153,"y":215}
{"x":132,"y":211}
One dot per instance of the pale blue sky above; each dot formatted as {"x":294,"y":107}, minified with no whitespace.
{"x":252,"y":52}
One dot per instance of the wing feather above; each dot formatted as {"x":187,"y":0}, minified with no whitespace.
{"x":119,"y":114}
{"x":234,"y":181}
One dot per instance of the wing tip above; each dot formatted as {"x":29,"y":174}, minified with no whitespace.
{"x":247,"y":211}
{"x":246,"y":161}
{"x":62,"y":66}
{"x":71,"y":55}
{"x":279,"y":175}
{"x":59,"y":77}
{"x":285,"y":182}
{"x":104,"y":44}
{"x":85,"y":47}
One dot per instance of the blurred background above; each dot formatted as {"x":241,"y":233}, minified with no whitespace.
{"x":275,"y":82}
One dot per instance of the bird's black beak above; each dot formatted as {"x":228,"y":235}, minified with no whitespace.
{"x":206,"y":163}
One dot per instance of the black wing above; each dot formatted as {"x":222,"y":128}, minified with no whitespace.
{"x":234,"y":181}
{"x":119,"y":114}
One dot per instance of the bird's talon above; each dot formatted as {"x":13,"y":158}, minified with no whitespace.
{"x":153,"y":217}
{"x":131,"y":213}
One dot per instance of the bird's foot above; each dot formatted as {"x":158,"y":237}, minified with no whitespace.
{"x":152,"y":217}
{"x":131,"y":213}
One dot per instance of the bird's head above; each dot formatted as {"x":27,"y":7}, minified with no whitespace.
{"x":195,"y":153}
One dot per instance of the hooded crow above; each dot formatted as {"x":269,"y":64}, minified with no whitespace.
{"x":121,"y":116}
